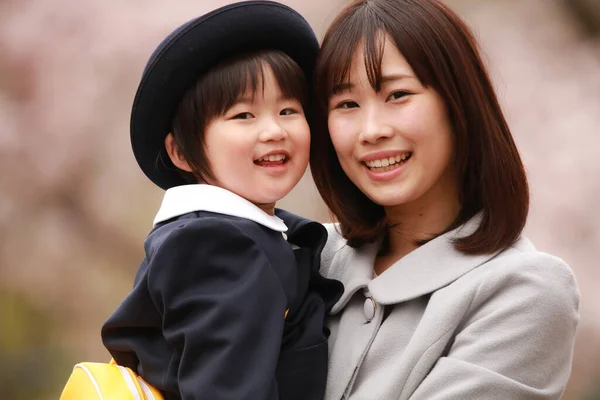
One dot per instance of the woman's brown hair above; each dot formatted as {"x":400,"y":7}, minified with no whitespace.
{"x":217,"y":90}
{"x":444,"y":55}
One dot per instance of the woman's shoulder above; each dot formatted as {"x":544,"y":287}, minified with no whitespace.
{"x":335,"y":240}
{"x":338,"y":255}
{"x":523,"y":258}
{"x":335,"y":244}
{"x":524,"y":269}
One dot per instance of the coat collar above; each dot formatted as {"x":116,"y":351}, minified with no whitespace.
{"x":312,"y":235}
{"x":425,"y":270}
{"x":184,"y":199}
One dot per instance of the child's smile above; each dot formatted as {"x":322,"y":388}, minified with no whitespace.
{"x":273,"y":159}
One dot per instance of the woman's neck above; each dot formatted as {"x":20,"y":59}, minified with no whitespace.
{"x":420,"y":220}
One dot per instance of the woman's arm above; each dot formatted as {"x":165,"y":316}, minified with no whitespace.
{"x":517,"y":339}
{"x":223,"y":310}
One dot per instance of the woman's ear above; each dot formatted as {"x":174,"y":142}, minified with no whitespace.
{"x":175,"y":154}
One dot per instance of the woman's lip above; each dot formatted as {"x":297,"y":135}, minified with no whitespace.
{"x":386,"y":175}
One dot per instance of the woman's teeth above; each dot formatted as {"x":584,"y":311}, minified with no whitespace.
{"x":386,"y":164}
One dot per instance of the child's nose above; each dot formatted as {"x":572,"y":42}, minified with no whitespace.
{"x":272,"y":131}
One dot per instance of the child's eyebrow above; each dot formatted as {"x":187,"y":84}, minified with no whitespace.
{"x":244,"y":100}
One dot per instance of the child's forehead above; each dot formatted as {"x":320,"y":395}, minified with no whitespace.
{"x":258,"y":87}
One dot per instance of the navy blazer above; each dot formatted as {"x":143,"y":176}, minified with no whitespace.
{"x":205,"y":319}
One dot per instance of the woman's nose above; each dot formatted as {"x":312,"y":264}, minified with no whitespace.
{"x":374,"y":126}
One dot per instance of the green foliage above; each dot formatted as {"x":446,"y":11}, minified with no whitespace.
{"x":29,"y":361}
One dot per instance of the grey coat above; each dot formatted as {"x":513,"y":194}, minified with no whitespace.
{"x":450,"y":326}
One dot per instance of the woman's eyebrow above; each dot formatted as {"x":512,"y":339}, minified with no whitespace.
{"x":342,"y":87}
{"x":348,"y":86}
{"x":395,"y":77}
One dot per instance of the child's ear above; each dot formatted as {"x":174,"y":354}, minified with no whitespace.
{"x":175,"y":154}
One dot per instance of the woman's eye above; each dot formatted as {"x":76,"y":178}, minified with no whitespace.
{"x":288,"y":111}
{"x":398,"y":95}
{"x":244,"y":115}
{"x":347,"y":104}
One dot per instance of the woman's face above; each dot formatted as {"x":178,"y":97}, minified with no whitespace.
{"x":395,"y":145}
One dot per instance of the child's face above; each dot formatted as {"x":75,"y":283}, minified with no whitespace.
{"x":259,"y":148}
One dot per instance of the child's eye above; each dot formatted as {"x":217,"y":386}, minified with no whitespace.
{"x":244,"y":115}
{"x":288,"y":111}
{"x":398,"y":95}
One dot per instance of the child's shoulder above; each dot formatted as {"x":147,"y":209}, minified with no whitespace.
{"x":204,"y":226}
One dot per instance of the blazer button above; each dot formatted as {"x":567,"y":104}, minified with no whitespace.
{"x":369,"y":307}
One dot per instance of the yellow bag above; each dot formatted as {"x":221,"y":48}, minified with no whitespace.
{"x":108,"y":381}
{"x":102,"y":381}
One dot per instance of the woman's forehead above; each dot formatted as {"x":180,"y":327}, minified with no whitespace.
{"x":374,"y":63}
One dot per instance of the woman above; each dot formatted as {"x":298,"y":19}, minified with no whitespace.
{"x":444,"y":298}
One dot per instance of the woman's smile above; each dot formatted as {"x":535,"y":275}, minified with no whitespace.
{"x":381,"y":167}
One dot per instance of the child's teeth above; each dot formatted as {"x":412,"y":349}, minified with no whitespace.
{"x":273,"y":157}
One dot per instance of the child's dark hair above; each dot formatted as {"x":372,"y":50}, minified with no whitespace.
{"x":219,"y":89}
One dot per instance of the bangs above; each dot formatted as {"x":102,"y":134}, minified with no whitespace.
{"x":362,"y":26}
{"x":366,"y":24}
{"x":220,"y":88}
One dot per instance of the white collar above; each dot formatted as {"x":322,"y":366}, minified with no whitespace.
{"x":184,"y":199}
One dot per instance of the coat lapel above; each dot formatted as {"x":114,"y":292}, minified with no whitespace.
{"x":427,"y":269}
{"x":356,"y":273}
{"x":311,"y":237}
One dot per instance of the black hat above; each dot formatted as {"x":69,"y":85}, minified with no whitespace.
{"x":191,"y":50}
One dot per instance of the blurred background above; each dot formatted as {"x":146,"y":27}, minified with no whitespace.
{"x":75,"y":208}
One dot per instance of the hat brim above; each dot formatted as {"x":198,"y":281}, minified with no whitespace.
{"x":191,"y":50}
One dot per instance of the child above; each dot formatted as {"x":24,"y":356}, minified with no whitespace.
{"x":224,"y":307}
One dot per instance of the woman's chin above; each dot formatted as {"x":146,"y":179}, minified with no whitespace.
{"x":387,"y":197}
